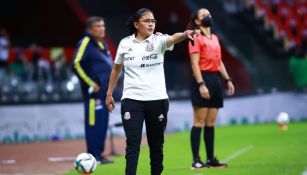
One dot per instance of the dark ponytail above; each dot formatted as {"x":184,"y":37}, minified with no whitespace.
{"x":192,"y":25}
{"x":134,"y":18}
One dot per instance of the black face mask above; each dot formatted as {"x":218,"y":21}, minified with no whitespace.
{"x":206,"y":21}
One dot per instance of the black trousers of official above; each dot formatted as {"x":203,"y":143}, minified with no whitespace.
{"x":96,"y":125}
{"x":154,"y":113}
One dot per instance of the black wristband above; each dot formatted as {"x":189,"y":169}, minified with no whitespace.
{"x":201,"y":83}
{"x":229,"y":79}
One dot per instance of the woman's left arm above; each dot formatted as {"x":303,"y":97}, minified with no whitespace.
{"x":178,"y":37}
{"x":225,"y":76}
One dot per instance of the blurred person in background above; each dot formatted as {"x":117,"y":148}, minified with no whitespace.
{"x":15,"y":73}
{"x":42,"y":68}
{"x":144,"y":95}
{"x":17,"y":67}
{"x":206,"y":88}
{"x":59,"y":68}
{"x":4,"y":52}
{"x":92,"y":63}
{"x":28,"y":68}
{"x":21,"y":72}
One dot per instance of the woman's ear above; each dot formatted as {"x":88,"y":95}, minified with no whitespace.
{"x":135,"y":25}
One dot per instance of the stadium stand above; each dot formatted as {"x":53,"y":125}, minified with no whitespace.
{"x":267,"y":32}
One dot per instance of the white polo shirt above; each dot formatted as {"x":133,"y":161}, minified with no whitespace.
{"x":143,"y":66}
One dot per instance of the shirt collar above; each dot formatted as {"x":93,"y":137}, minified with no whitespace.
{"x":100,"y":44}
{"x":147,"y":40}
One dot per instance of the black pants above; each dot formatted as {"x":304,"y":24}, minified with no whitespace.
{"x":155,"y":115}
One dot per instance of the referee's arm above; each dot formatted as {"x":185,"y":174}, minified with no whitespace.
{"x":204,"y":92}
{"x":224,"y":74}
{"x":195,"y":67}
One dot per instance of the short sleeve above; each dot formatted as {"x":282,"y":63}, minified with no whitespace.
{"x":194,"y":48}
{"x":119,"y":58}
{"x":163,"y":40}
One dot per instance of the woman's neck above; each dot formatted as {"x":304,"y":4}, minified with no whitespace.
{"x":140,"y":37}
{"x":206,"y":31}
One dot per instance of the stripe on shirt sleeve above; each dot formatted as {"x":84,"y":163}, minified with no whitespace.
{"x":77,"y":65}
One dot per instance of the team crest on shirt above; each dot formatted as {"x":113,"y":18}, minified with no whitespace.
{"x":98,"y":102}
{"x":150,"y":47}
{"x":98,"y":105}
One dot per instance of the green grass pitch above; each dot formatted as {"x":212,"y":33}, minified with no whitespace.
{"x":260,"y":149}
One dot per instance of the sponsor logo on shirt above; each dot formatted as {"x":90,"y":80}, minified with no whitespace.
{"x":129,"y":58}
{"x":150,"y":65}
{"x":150,"y":57}
{"x":130,"y":50}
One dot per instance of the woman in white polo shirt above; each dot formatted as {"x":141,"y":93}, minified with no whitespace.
{"x":144,"y":95}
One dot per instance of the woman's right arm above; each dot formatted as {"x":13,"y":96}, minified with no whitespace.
{"x":112,"y":82}
{"x":204,"y":92}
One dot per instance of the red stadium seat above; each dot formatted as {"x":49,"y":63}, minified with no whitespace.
{"x":292,"y":41}
{"x":303,"y":32}
{"x":284,"y":10}
{"x":300,"y":9}
{"x":261,"y":9}
{"x":288,"y":20}
{"x":271,"y":21}
{"x":280,"y":31}
{"x":298,"y":2}
{"x":293,"y":23}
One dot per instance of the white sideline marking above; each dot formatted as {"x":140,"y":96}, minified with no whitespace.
{"x":61,"y":159}
{"x":238,"y":153}
{"x":305,"y":172}
{"x":11,"y":161}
